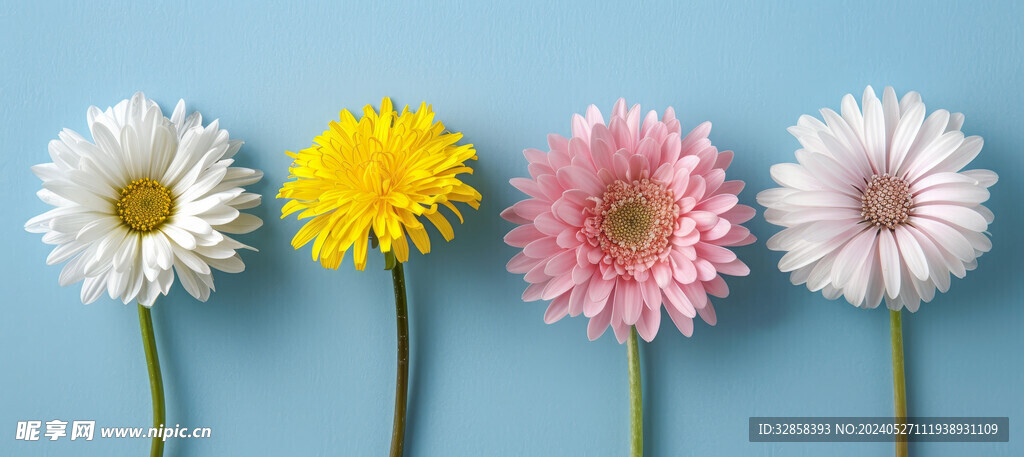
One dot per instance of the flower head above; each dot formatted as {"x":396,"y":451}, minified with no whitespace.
{"x":878,"y":206}
{"x":148,"y":197}
{"x":625,"y":216}
{"x":382,"y":172}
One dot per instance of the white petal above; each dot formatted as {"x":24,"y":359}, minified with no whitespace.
{"x":904,"y":135}
{"x":244,"y":223}
{"x":851,"y":257}
{"x":986,"y":178}
{"x":911,"y":253}
{"x":962,"y":156}
{"x":958,"y":215}
{"x":946,"y":237}
{"x":874,"y":130}
{"x":889,"y":260}
{"x":933,"y":155}
{"x":231,"y":264}
{"x":931,"y":130}
{"x":219,"y":215}
{"x":795,"y":176}
{"x":952,"y":193}
{"x":180,"y":236}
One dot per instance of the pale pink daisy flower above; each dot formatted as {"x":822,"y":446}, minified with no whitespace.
{"x":878,"y":206}
{"x":625,"y":216}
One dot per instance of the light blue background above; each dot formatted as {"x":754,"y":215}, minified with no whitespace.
{"x":291,"y":359}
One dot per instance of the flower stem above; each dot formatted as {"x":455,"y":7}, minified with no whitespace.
{"x":156,"y":383}
{"x":636,"y":403}
{"x":402,"y":376}
{"x":899,"y":384}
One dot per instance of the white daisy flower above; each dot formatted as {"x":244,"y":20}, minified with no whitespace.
{"x":878,"y":206}
{"x":149,"y":198}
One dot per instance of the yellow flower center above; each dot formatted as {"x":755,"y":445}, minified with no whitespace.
{"x":629,"y":223}
{"x":144,"y":204}
{"x":886,"y":201}
{"x":632,"y":223}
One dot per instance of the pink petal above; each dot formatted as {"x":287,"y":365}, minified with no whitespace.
{"x":536,"y":274}
{"x":582,"y":273}
{"x":567,"y":238}
{"x":578,"y":149}
{"x":713,"y":180}
{"x":662,"y":273}
{"x":536,"y":156}
{"x":638,"y":167}
{"x":598,"y":324}
{"x":708,"y":314}
{"x":651,"y":294}
{"x":558,"y":142}
{"x":720,"y":229}
{"x":723,"y":160}
{"x":648,"y":323}
{"x":739,"y":214}
{"x":628,"y":294}
{"x":683,"y":323}
{"x":577,"y":297}
{"x":676,"y":299}
{"x":718,"y":204}
{"x":549,"y":225}
{"x":531,"y":208}
{"x":593,"y":116}
{"x":520,"y":264}
{"x":558,"y":309}
{"x":714,"y":254}
{"x":601,"y":148}
{"x":569,"y":212}
{"x":574,"y":177}
{"x":696,"y":136}
{"x":580,"y":128}
{"x":509,"y":214}
{"x":734,"y":268}
{"x":557,"y":286}
{"x":717,"y":287}
{"x":696,"y":294}
{"x":732,"y":187}
{"x":683,"y":270}
{"x":550,"y":187}
{"x":561,"y":264}
{"x":533,"y":292}
{"x":527,"y":186}
{"x":522,"y":236}
{"x":600,"y":289}
{"x":541,"y":248}
{"x":671,"y":148}
{"x":621,"y":329}
{"x":738,"y":236}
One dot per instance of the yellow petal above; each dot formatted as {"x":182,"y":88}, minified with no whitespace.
{"x":419,"y":238}
{"x":401,"y":248}
{"x":442,"y":225}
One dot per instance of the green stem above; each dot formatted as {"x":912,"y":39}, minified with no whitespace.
{"x":156,"y":383}
{"x":899,"y":384}
{"x":402,"y":377}
{"x":636,"y":403}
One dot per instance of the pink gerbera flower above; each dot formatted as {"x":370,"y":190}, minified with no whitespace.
{"x":625,"y":216}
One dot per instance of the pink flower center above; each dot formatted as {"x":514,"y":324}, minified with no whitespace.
{"x":632,"y":222}
{"x":886,"y":201}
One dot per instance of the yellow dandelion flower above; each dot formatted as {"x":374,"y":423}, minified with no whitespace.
{"x":381,"y":172}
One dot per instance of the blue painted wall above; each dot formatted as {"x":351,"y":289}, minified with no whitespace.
{"x":290,"y":359}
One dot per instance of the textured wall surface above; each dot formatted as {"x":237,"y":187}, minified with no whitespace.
{"x":290,"y":359}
